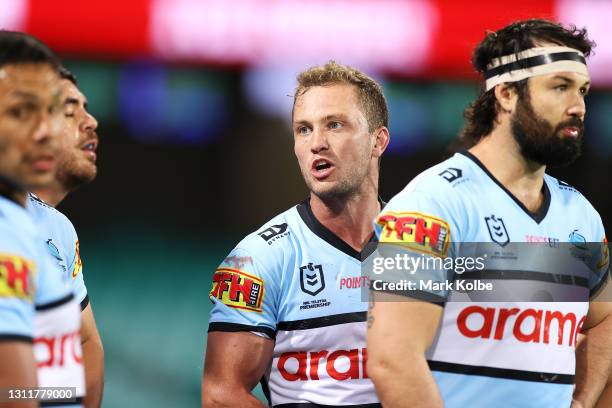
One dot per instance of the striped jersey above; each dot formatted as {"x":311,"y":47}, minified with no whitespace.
{"x":499,"y":351}
{"x":296,"y":282}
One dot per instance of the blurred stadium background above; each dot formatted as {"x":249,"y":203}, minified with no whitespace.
{"x":194,"y":98}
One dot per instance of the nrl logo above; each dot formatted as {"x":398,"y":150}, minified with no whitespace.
{"x":312,"y":280}
{"x":497,"y":230}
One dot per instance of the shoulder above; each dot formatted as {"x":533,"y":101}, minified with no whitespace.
{"x":439,"y":186}
{"x":573,"y":201}
{"x":48,"y":218}
{"x":270,"y":242}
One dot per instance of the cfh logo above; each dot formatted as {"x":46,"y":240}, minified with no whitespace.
{"x":528,"y":325}
{"x":312,"y":280}
{"x":311,"y":365}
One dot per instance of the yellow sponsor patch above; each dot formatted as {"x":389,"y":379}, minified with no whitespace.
{"x":415,"y":231}
{"x":605,"y":254}
{"x":238,"y":289}
{"x":78,"y":264}
{"x":16,"y":277}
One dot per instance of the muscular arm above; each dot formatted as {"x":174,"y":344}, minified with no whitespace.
{"x":605,"y":399}
{"x":93,"y":357}
{"x":235,"y":362}
{"x":399,"y":332}
{"x":18,"y":369}
{"x":594,"y":355}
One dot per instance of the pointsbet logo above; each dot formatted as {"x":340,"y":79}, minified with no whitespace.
{"x":238,"y":289}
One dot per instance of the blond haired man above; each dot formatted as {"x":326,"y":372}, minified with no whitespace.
{"x":287,"y":300}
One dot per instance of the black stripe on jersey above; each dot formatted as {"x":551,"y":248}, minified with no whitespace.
{"x":236,"y":327}
{"x":85,"y":302}
{"x":323,"y":321}
{"x":312,"y":405}
{"x":506,"y":373}
{"x":537,"y":217}
{"x":500,"y":274}
{"x":16,"y":337}
{"x":55,"y":303}
{"x":305,"y":212}
{"x":418,"y":295}
{"x":60,"y":403}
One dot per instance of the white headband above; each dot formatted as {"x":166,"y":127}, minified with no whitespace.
{"x":533,"y":62}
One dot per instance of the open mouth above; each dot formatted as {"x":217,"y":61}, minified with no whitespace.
{"x":90,"y":149}
{"x":321,"y":168}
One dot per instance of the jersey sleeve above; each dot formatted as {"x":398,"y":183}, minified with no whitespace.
{"x":17,"y":290}
{"x":414,"y":232}
{"x":74,"y":265}
{"x":244,"y":293}
{"x":600,"y":266}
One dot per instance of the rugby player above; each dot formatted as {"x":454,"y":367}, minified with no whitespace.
{"x":76,"y":165}
{"x":39,"y":324}
{"x":287,"y":300}
{"x":426,"y":350}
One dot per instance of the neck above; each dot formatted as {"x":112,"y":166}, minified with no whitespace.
{"x":9,"y":190}
{"x":350,"y":218}
{"x":52,"y":194}
{"x":500,"y":154}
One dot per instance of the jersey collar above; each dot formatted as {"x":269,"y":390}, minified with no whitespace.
{"x":326,"y":235}
{"x":539,"y":215}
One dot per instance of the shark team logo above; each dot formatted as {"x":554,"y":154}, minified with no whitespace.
{"x":312,"y":280}
{"x":497,"y":230}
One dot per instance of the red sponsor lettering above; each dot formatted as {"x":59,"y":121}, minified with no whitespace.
{"x":56,"y":350}
{"x":309,"y":364}
{"x":354,"y":282}
{"x":528,"y":325}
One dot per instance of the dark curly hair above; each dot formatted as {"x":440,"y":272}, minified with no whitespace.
{"x":480,"y":115}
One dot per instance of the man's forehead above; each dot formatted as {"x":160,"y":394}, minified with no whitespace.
{"x":336,"y":97}
{"x":35,"y":80}
{"x":70,"y":91}
{"x":569,"y":76}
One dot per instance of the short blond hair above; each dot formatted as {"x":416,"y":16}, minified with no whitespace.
{"x":369,"y":92}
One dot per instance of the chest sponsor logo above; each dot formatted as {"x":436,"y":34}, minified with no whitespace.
{"x":451,"y":174}
{"x":415,"y":231}
{"x":312,"y":279}
{"x":354,"y":282}
{"x":274,"y":233}
{"x":340,"y":365}
{"x":528,"y":325}
{"x":16,"y":277}
{"x":238,"y":289}
{"x":497,"y":230}
{"x":546,"y":241}
{"x":58,"y":351}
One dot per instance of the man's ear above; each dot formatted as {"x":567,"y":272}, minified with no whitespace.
{"x":506,"y":97}
{"x":381,"y":141}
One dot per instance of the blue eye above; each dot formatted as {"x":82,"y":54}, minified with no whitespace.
{"x":335,"y":125}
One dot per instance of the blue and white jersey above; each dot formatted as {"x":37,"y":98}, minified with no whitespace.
{"x":62,"y":242}
{"x":37,"y":303}
{"x":299,"y":284}
{"x":498,"y":353}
